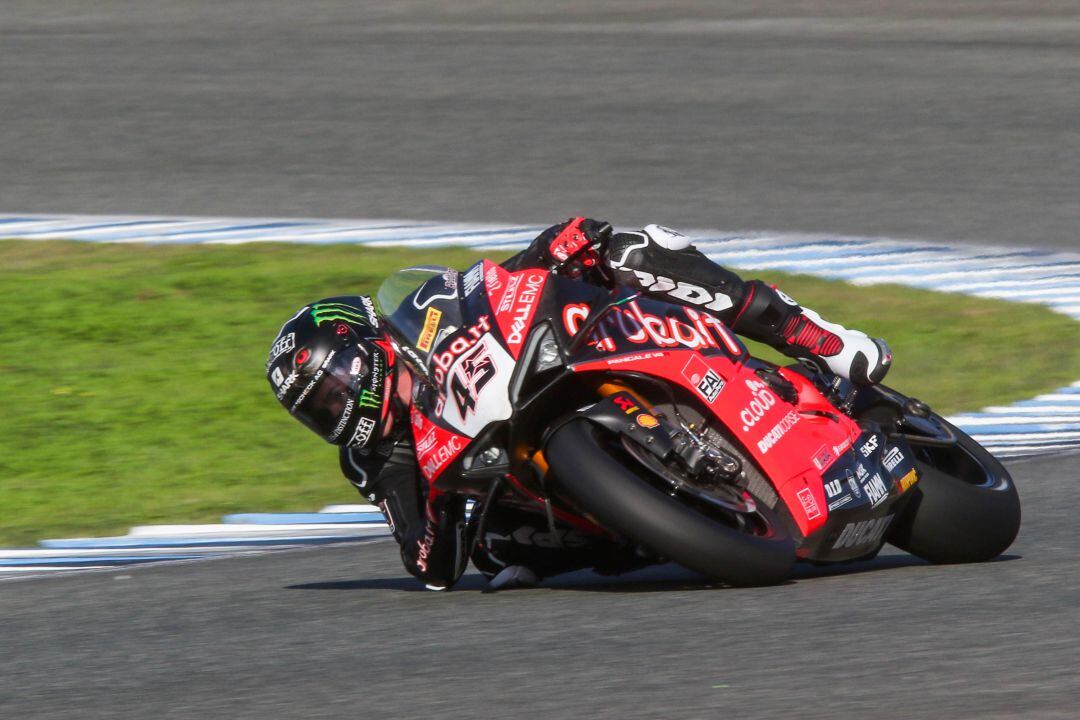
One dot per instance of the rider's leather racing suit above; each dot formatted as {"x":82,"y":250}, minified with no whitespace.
{"x":431,"y":527}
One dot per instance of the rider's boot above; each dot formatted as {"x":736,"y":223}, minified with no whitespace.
{"x":513,"y":576}
{"x":770,"y":316}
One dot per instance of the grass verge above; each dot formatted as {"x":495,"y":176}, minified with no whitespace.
{"x":133,"y":389}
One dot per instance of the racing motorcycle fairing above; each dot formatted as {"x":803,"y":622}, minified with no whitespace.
{"x":804,"y":445}
{"x":435,"y":446}
{"x":514,"y":299}
{"x":506,"y":354}
{"x":829,"y":471}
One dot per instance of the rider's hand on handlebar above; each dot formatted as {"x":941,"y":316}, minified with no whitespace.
{"x":577,"y":247}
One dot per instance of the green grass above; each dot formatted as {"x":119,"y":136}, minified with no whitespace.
{"x":133,"y":389}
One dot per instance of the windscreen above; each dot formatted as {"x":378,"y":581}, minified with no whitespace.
{"x":404,"y":296}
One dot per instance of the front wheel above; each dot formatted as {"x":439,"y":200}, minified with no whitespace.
{"x":594,"y":475}
{"x":965,"y":507}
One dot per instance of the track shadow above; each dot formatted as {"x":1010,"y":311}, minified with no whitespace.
{"x":662,"y":578}
{"x":659,"y":579}
{"x":667,"y":578}
{"x":881,"y":562}
{"x":403,"y":582}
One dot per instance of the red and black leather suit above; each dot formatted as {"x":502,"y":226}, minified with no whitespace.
{"x":432,"y":531}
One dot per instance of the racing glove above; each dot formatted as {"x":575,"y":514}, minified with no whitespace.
{"x":569,"y":248}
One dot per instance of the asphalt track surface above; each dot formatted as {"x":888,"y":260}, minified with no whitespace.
{"x":956,"y":122}
{"x":946,"y":120}
{"x":340,"y":633}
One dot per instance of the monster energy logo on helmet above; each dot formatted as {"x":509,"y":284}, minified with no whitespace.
{"x":335,"y":311}
{"x":368,"y":399}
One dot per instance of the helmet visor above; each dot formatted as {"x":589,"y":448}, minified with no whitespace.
{"x":328,"y":401}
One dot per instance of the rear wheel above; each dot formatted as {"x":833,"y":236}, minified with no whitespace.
{"x":965,"y":507}
{"x":741,"y":548}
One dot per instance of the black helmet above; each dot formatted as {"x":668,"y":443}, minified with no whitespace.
{"x":332,"y":369}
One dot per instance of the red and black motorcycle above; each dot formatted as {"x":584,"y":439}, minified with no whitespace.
{"x":627,"y":416}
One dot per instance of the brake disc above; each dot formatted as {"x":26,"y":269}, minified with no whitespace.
{"x":725,"y":495}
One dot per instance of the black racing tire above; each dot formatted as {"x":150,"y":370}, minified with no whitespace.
{"x":965,"y":507}
{"x":602,"y":486}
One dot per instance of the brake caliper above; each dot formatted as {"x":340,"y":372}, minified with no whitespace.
{"x":706,"y":464}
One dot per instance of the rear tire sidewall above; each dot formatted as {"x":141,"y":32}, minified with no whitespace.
{"x":603,"y":487}
{"x":951,"y":520}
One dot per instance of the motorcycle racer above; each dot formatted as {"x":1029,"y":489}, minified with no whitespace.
{"x":334,"y":367}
